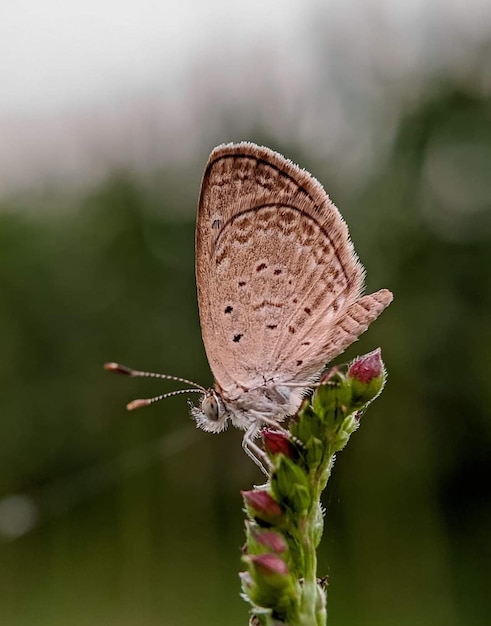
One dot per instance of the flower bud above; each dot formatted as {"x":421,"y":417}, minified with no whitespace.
{"x":367,"y":375}
{"x":273,"y":585}
{"x":268,"y":565}
{"x":366,"y":367}
{"x":275,"y":442}
{"x":261,"y":505}
{"x":332,"y":399}
{"x":289,"y":484}
{"x":261,"y":540}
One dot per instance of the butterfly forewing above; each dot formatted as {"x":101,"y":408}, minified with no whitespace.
{"x":275,"y":269}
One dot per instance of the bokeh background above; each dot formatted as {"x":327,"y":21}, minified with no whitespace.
{"x":108,"y":111}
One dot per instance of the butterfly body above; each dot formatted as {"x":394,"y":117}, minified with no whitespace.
{"x":267,"y":402}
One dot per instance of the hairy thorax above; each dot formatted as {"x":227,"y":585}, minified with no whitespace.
{"x":269,"y":400}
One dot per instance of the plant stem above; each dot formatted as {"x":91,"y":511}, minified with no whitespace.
{"x":285,"y":518}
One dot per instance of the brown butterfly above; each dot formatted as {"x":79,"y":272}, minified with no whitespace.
{"x":279,"y":290}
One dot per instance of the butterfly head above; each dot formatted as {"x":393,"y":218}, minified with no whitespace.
{"x":212,"y":415}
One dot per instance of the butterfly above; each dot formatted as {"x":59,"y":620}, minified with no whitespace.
{"x":279,"y":290}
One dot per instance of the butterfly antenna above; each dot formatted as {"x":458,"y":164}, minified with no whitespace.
{"x":129,"y":371}
{"x":137,"y":404}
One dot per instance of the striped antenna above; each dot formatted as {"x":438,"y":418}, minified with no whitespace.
{"x":129,"y":371}
{"x":136,"y":404}
{"x":117,"y":368}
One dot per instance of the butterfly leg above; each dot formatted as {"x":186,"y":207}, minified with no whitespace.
{"x":253,"y":451}
{"x":270,"y":422}
{"x":278,"y":428}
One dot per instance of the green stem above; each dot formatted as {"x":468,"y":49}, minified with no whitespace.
{"x":313,"y":605}
{"x":309,"y":596}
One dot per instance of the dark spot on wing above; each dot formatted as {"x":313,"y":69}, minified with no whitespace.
{"x":307,"y":310}
{"x":277,"y":272}
{"x":216,"y":224}
{"x":299,"y":362}
{"x":229,"y":309}
{"x":291,"y":329}
{"x":261,"y":267}
{"x":272,"y":326}
{"x":237,"y":338}
{"x":267,"y":303}
{"x":295,"y":301}
{"x":305,"y":343}
{"x":242,"y":283}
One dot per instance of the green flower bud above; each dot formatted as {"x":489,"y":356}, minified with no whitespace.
{"x":333,"y":399}
{"x":289,"y":484}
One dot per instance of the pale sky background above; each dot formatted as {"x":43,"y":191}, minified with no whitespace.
{"x":86,"y":84}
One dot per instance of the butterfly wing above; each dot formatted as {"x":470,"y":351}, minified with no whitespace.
{"x":276,"y":271}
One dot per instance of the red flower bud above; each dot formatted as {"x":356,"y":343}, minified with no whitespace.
{"x":260,"y":504}
{"x":275,"y":442}
{"x":366,"y":368}
{"x":269,"y":564}
{"x":367,"y":375}
{"x":274,"y":542}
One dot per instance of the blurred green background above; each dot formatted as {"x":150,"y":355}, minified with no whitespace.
{"x":109,"y":517}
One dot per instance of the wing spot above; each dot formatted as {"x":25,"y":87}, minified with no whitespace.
{"x":267,"y":303}
{"x":229,"y":309}
{"x":290,"y":281}
{"x":305,"y":343}
{"x":216,"y":224}
{"x":272,"y":326}
{"x":295,"y":300}
{"x":299,"y":363}
{"x":237,"y":338}
{"x":308,"y":229}
{"x":288,"y":216}
{"x":291,"y":330}
{"x":308,"y":310}
{"x":242,"y":283}
{"x":244,"y":222}
{"x":277,"y":272}
{"x":261,"y":267}
{"x":242,"y":238}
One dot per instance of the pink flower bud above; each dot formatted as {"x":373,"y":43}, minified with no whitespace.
{"x":272,"y":541}
{"x":366,"y":368}
{"x":367,"y":375}
{"x":260,"y":504}
{"x":276,"y":442}
{"x":269,"y":564}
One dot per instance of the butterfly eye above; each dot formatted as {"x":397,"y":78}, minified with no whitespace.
{"x":210,"y":407}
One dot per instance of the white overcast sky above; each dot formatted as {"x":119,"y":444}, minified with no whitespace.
{"x":57,"y":55}
{"x":63,"y":62}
